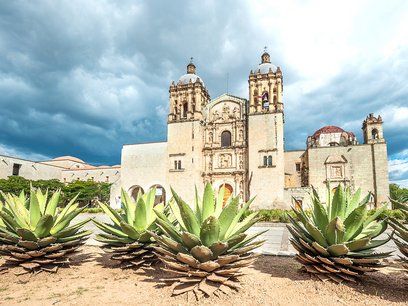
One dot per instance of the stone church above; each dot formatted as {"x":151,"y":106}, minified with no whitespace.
{"x":239,"y":143}
{"x":235,"y":142}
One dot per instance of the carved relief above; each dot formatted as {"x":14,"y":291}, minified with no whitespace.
{"x":336,"y":172}
{"x":225,"y":161}
{"x":210,"y":137}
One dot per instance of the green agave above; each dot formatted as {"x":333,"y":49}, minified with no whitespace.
{"x":208,"y":247}
{"x":401,"y":231}
{"x":127,"y":238}
{"x":34,"y":235}
{"x":337,"y":241}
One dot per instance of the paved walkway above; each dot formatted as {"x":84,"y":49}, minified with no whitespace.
{"x":277,"y":237}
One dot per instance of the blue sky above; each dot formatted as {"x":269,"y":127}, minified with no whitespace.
{"x":82,"y":78}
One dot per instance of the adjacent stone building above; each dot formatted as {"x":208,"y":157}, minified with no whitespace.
{"x":233,"y":142}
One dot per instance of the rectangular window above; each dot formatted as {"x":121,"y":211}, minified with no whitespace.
{"x":107,"y":179}
{"x":16,"y":169}
{"x":298,"y":167}
{"x":175,"y":165}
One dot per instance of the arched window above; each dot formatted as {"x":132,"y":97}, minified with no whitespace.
{"x":270,"y":161}
{"x":225,"y":139}
{"x":265,"y":161}
{"x":374,"y":134}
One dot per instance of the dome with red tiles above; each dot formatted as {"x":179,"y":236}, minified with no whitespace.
{"x":328,"y":130}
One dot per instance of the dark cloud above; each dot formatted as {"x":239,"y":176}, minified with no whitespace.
{"x":84,"y":77}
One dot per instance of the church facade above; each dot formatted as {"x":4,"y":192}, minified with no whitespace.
{"x":239,"y":143}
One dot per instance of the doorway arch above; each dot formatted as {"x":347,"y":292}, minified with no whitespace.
{"x":134,"y":191}
{"x":228,"y":190}
{"x":160,"y":196}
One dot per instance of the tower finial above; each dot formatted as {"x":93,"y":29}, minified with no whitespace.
{"x":191,"y":68}
{"x":191,"y":60}
{"x":265,"y":49}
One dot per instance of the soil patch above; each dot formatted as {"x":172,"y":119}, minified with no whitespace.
{"x":93,"y":280}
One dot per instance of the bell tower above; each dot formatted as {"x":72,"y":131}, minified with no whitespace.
{"x":187,"y":96}
{"x":265,"y":134}
{"x":373,"y":129}
{"x":265,"y":87}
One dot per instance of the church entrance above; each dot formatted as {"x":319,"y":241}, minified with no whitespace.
{"x":134,"y":191}
{"x":227,"y":193}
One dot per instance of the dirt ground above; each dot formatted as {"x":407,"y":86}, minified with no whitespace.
{"x":93,"y":280}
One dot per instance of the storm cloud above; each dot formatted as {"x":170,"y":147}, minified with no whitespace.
{"x":82,"y":78}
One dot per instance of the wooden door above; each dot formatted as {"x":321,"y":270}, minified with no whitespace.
{"x":227,"y":194}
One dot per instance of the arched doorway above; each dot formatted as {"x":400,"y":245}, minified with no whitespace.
{"x":160,"y":194}
{"x":134,"y":191}
{"x":227,"y":193}
{"x":374,"y":134}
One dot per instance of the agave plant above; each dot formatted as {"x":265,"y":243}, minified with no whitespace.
{"x":209,"y":246}
{"x":337,"y":241}
{"x":401,"y":231}
{"x":127,"y":238}
{"x":34,"y":235}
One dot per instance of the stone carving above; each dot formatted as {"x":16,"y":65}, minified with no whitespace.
{"x":241,"y":135}
{"x":225,"y":161}
{"x":210,"y":137}
{"x":236,"y":113}
{"x":336,"y":172}
{"x":241,"y":161}
{"x":210,"y":165}
{"x":225,"y":112}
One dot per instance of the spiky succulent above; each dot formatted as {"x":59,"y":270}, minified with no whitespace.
{"x":127,"y":238}
{"x":35,"y":235}
{"x":208,"y":247}
{"x":337,"y":241}
{"x":401,"y":231}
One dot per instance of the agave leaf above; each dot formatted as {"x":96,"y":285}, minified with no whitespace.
{"x":198,"y":206}
{"x":71,"y":230}
{"x":67,"y":209}
{"x":376,"y":243}
{"x":190,"y":240}
{"x":44,"y":226}
{"x":353,"y":203}
{"x":52,"y":204}
{"x":129,"y":230}
{"x":187,"y":215}
{"x":335,"y":231}
{"x":140,"y":215}
{"x":338,"y":249}
{"x":218,"y":248}
{"x":320,"y":214}
{"x":338,"y":205}
{"x":26,"y":234}
{"x":176,"y":213}
{"x":129,"y":207}
{"x":233,"y":241}
{"x":42,"y":199}
{"x":354,"y":222}
{"x":201,"y":253}
{"x":65,"y":221}
{"x":227,"y":215}
{"x":74,"y":237}
{"x":112,"y":214}
{"x":109,"y":229}
{"x":210,"y":230}
{"x":248,"y":239}
{"x":35,"y":212}
{"x":316,"y":234}
{"x":245,"y":224}
{"x":10,"y":223}
{"x":169,"y":228}
{"x":374,"y":216}
{"x":236,"y":219}
{"x":300,"y":230}
{"x":220,"y":200}
{"x":357,"y":245}
{"x":208,"y":202}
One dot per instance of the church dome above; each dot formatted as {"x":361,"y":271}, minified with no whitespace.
{"x":328,"y":130}
{"x":190,"y":75}
{"x":185,"y":79}
{"x":265,"y":66}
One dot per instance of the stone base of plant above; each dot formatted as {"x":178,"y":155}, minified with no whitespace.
{"x":43,"y":255}
{"x":134,"y":255}
{"x":207,"y":278}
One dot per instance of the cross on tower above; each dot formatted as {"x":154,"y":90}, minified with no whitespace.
{"x":265,"y":49}
{"x":191,"y":60}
